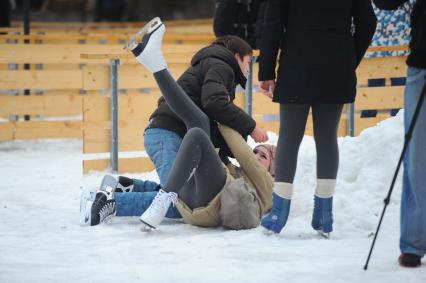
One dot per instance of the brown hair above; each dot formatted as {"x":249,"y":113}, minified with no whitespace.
{"x":235,"y":44}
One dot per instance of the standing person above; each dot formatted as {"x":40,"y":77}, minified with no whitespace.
{"x":243,"y":18}
{"x":210,"y":82}
{"x":203,"y":190}
{"x":412,"y":241}
{"x":319,"y":55}
{"x":6,"y":6}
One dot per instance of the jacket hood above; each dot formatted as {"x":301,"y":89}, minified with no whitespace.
{"x":224,"y":54}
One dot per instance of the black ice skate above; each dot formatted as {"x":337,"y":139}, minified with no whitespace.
{"x":96,"y":207}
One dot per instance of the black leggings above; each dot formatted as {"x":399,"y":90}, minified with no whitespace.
{"x":197,"y":175}
{"x":293,"y":119}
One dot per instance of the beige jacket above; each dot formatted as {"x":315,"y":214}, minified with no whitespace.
{"x":252,"y":172}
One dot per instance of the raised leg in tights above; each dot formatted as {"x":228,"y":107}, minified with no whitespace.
{"x":197,"y":175}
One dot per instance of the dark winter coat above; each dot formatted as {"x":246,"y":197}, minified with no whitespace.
{"x":319,"y":52}
{"x":243,"y":18}
{"x":210,"y":82}
{"x":417,"y":57}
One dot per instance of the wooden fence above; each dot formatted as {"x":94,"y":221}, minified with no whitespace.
{"x":134,"y":112}
{"x":65,"y":78}
{"x":75,"y":100}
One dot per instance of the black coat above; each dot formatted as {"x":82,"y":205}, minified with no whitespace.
{"x":319,"y":51}
{"x":417,"y":57}
{"x":243,"y":18}
{"x":210,"y":82}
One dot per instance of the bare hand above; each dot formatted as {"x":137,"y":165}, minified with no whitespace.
{"x":259,"y":135}
{"x":267,"y":87}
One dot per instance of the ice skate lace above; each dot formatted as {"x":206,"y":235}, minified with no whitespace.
{"x":107,"y":210}
{"x":162,"y":200}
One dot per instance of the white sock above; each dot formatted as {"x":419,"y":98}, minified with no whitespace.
{"x":325,"y":188}
{"x":284,"y":190}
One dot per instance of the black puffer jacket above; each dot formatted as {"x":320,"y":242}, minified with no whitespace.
{"x":210,"y":82}
{"x":417,"y":57}
{"x":319,"y":51}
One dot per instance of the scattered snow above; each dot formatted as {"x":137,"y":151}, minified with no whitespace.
{"x":41,"y":240}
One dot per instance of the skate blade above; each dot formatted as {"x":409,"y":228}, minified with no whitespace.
{"x":323,"y":234}
{"x":86,"y":201}
{"x":268,"y":232}
{"x":147,"y":225}
{"x":146,"y":228}
{"x":146,"y":29}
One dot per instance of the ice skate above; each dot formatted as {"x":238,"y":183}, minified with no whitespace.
{"x":103,"y":207}
{"x":322,"y":218}
{"x":146,"y":46}
{"x":275,"y":221}
{"x":157,"y":211}
{"x":111,"y":184}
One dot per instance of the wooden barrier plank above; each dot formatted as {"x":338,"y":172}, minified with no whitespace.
{"x":125,"y":165}
{"x":385,"y":67}
{"x":129,"y":139}
{"x":109,"y":25}
{"x":7,"y":131}
{"x":71,"y":53}
{"x":130,"y":107}
{"x":48,"y":129}
{"x":364,"y":123}
{"x":264,"y":105}
{"x":379,"y":97}
{"x":60,"y":105}
{"x":103,"y":37}
{"x":33,"y":79}
{"x":274,"y":126}
{"x":130,"y":77}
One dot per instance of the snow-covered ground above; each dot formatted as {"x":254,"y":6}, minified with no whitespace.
{"x":41,"y":240}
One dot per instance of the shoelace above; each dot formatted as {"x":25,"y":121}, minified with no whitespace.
{"x":107,"y":210}
{"x":159,"y":203}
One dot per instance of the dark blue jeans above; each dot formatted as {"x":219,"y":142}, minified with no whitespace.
{"x":413,"y":200}
{"x":162,"y":147}
{"x":135,"y":203}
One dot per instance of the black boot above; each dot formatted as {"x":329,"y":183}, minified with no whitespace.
{"x":103,"y":207}
{"x":409,"y":260}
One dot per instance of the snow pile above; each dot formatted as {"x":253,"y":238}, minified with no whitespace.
{"x":41,"y":240}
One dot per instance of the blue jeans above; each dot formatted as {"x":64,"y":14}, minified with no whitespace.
{"x":135,"y":203}
{"x":145,"y":186}
{"x":162,"y":147}
{"x":413,"y":202}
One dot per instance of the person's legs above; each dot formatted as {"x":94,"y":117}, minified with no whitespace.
{"x":126,"y":184}
{"x":148,"y":52}
{"x":197,"y":177}
{"x":162,"y":147}
{"x":141,"y":186}
{"x":413,"y":201}
{"x":181,"y":103}
{"x":197,"y":159}
{"x":326,"y":119}
{"x":135,"y":203}
{"x":293,"y":119}
{"x":292,"y":129}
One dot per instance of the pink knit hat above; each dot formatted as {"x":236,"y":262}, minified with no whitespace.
{"x":270,"y":149}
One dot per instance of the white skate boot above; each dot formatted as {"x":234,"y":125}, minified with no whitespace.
{"x":157,"y":211}
{"x":146,"y":46}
